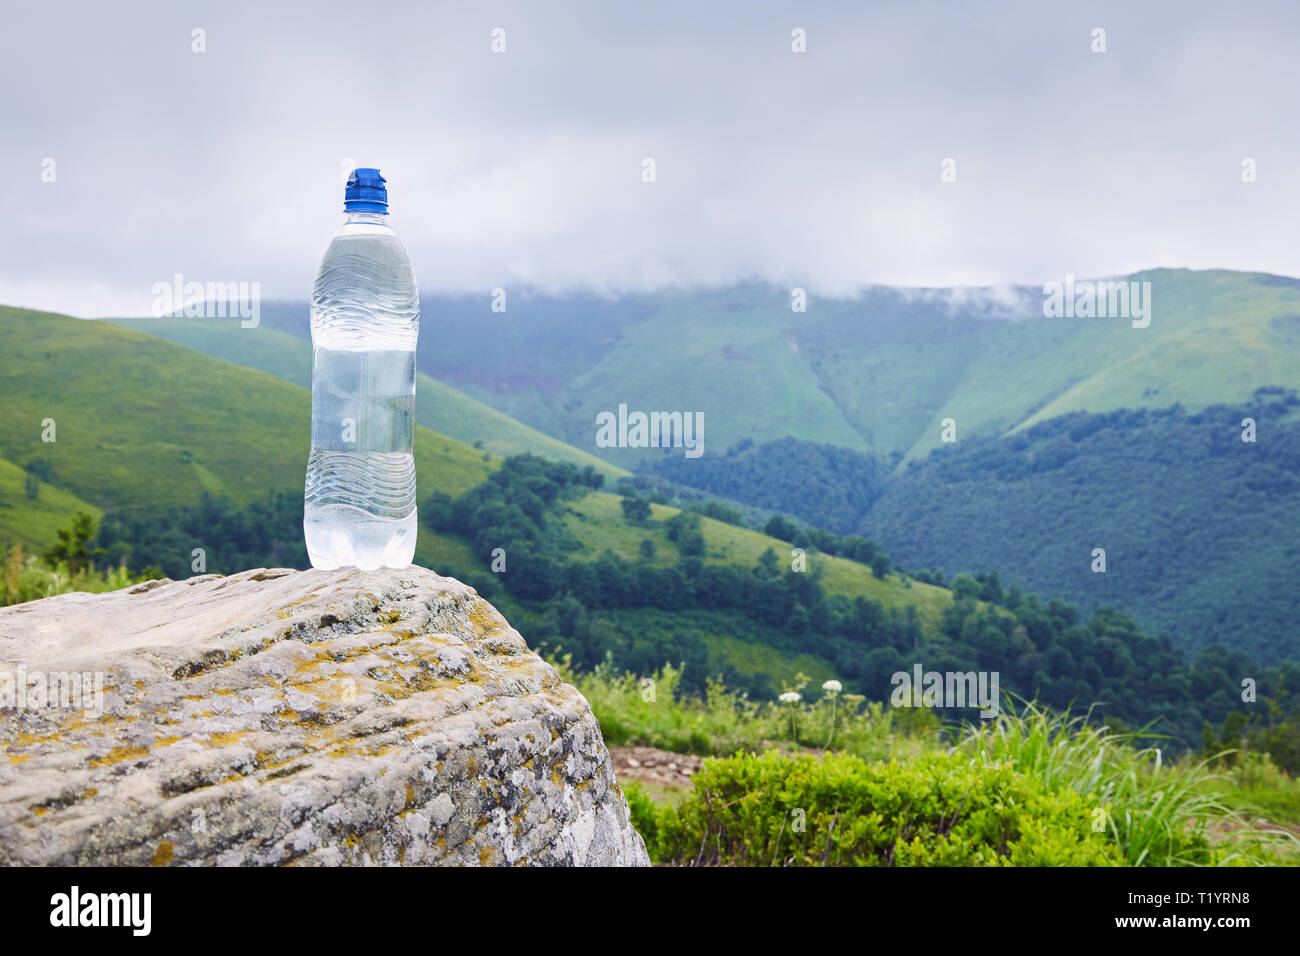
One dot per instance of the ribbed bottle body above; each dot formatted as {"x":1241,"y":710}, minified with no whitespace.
{"x":359,"y":500}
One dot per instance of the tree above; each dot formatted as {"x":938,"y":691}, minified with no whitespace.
{"x":880,"y":565}
{"x":965,"y":586}
{"x":72,"y":547}
{"x":437,"y":512}
{"x":691,"y":543}
{"x":635,"y":510}
{"x":779,"y":527}
{"x":37,"y":471}
{"x":647,"y":548}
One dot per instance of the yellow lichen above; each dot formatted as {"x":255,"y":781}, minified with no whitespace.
{"x":117,"y":755}
{"x":225,"y":739}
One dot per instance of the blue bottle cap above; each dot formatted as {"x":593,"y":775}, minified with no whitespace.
{"x":365,"y":192}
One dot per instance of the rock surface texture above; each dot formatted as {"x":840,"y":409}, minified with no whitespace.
{"x":296,"y":717}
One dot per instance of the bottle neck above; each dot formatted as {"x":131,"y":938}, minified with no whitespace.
{"x":368,"y":217}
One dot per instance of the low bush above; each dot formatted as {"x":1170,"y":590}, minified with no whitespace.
{"x":1159,"y":813}
{"x":645,"y":817}
{"x":940,"y":809}
{"x":25,"y":578}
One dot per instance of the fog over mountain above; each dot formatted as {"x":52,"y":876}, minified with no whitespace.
{"x":526,"y":167}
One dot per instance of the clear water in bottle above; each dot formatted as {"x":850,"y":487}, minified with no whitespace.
{"x":365,"y":316}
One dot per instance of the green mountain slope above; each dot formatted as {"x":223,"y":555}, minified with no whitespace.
{"x":598,"y":523}
{"x":438,"y":406}
{"x":1214,"y":338}
{"x":634,"y":587}
{"x":876,"y":373}
{"x":876,"y":376}
{"x":142,"y":424}
{"x":145,"y":425}
{"x":34,"y":522}
{"x":1199,"y":527}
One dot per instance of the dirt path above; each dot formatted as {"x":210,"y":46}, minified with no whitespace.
{"x":650,"y":765}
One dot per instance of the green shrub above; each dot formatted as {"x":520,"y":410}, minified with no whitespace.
{"x":1259,"y":788}
{"x":940,"y":809}
{"x":1159,"y":813}
{"x":24,"y":578}
{"x":645,"y":817}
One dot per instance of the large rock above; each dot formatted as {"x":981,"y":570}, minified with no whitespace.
{"x":307,"y":717}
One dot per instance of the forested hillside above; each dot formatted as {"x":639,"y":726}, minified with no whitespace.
{"x":1042,"y":649}
{"x":821,"y":413}
{"x":1198,"y":525}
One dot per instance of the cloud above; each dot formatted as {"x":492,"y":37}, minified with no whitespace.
{"x":524,"y":168}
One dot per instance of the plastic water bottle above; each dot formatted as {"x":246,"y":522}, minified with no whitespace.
{"x":365,"y":316}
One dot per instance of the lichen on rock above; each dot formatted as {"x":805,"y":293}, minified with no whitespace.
{"x":298,"y":717}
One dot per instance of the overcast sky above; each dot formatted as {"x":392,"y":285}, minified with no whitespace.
{"x":524,"y":168}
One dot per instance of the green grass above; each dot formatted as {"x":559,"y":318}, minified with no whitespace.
{"x":880,"y":372}
{"x":1215,"y":337}
{"x":1160,"y":813}
{"x":34,"y":522}
{"x":749,"y":657}
{"x":597,"y":522}
{"x":438,"y":406}
{"x":25,"y":577}
{"x":1258,"y":788}
{"x":1117,"y":792}
{"x":142,"y":424}
{"x":647,"y":710}
{"x":441,"y":552}
{"x":777,"y":809}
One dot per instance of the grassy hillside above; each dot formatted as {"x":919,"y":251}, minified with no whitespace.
{"x":1214,"y":338}
{"x":143,"y":424}
{"x":437,"y":406}
{"x":597,"y":522}
{"x":623,"y":583}
{"x":1198,"y":525}
{"x":865,"y":384}
{"x":34,"y":522}
{"x":876,"y":373}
